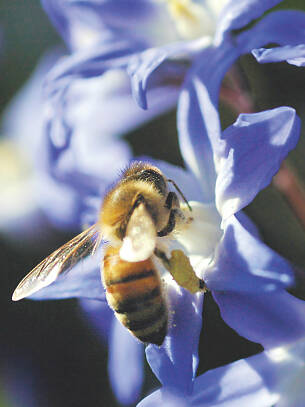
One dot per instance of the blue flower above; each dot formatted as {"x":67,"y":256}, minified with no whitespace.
{"x":199,"y":95}
{"x":225,"y":169}
{"x":28,"y":191}
{"x":39,"y":190}
{"x":273,"y":377}
{"x":247,"y":279}
{"x":123,"y":351}
{"x":294,"y":55}
{"x":140,"y":36}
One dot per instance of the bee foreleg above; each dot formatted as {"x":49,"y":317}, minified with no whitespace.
{"x":170,"y":225}
{"x":172,"y":200}
{"x":180,"y":192}
{"x":162,"y":256}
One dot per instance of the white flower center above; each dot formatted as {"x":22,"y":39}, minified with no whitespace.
{"x":192,"y":20}
{"x":201,"y":236}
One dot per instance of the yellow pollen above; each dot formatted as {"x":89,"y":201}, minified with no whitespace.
{"x":12,"y":164}
{"x":182,"y":9}
{"x":192,"y":20}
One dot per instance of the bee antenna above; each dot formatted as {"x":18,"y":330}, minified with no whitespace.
{"x":181,"y":194}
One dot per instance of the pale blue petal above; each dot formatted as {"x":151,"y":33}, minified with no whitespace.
{"x":56,"y":10}
{"x":119,"y":13}
{"x":99,"y":316}
{"x":259,"y":380}
{"x":262,"y":380}
{"x":283,"y":27}
{"x":242,"y":263}
{"x":197,"y":116}
{"x":82,"y":24}
{"x":165,"y":398}
{"x":85,"y":109}
{"x":146,"y":21}
{"x":125,"y":364}
{"x":256,"y":145}
{"x":92,"y":62}
{"x":237,"y":384}
{"x":60,"y":203}
{"x":271,"y":319}
{"x":175,"y":362}
{"x":247,"y":223}
{"x":82,"y":281}
{"x":142,"y":65}
{"x":195,"y":146}
{"x":294,"y":55}
{"x":198,"y":120}
{"x":237,"y":14}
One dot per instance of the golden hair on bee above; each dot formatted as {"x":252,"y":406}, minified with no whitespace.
{"x":135,"y":214}
{"x":142,"y":189}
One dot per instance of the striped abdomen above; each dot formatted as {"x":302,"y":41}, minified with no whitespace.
{"x":133,"y":291}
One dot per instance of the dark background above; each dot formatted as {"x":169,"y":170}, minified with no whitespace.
{"x":49,"y":354}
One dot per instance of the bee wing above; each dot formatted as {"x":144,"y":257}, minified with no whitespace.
{"x":140,"y":239}
{"x":61,"y":260}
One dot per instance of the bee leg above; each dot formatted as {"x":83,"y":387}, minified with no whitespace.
{"x":122,"y":230}
{"x":182,"y":271}
{"x":172,"y":200}
{"x":180,"y":192}
{"x":162,"y":256}
{"x":170,"y":225}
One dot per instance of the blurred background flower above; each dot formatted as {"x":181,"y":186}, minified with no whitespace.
{"x":69,"y":357}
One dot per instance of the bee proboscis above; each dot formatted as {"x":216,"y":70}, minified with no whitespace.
{"x":136,"y":212}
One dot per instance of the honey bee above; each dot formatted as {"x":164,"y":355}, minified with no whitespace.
{"x":136,"y":212}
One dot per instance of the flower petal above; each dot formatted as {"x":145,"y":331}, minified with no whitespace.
{"x":77,"y":102}
{"x":83,"y":24}
{"x":261,"y":380}
{"x":184,"y":179}
{"x":283,"y":27}
{"x":83,"y":281}
{"x":118,"y":13}
{"x":60,"y":203}
{"x":92,"y":62}
{"x":195,"y":146}
{"x":143,"y":64}
{"x":256,"y":145}
{"x":125,"y":364}
{"x":197,"y":108}
{"x":56,"y":12}
{"x":165,"y":398}
{"x":126,"y":354}
{"x":271,"y":319}
{"x":294,"y":55}
{"x":147,"y":21}
{"x":237,"y":14}
{"x":243,"y":263}
{"x":175,"y":362}
{"x":197,"y":116}
{"x":100,"y":316}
